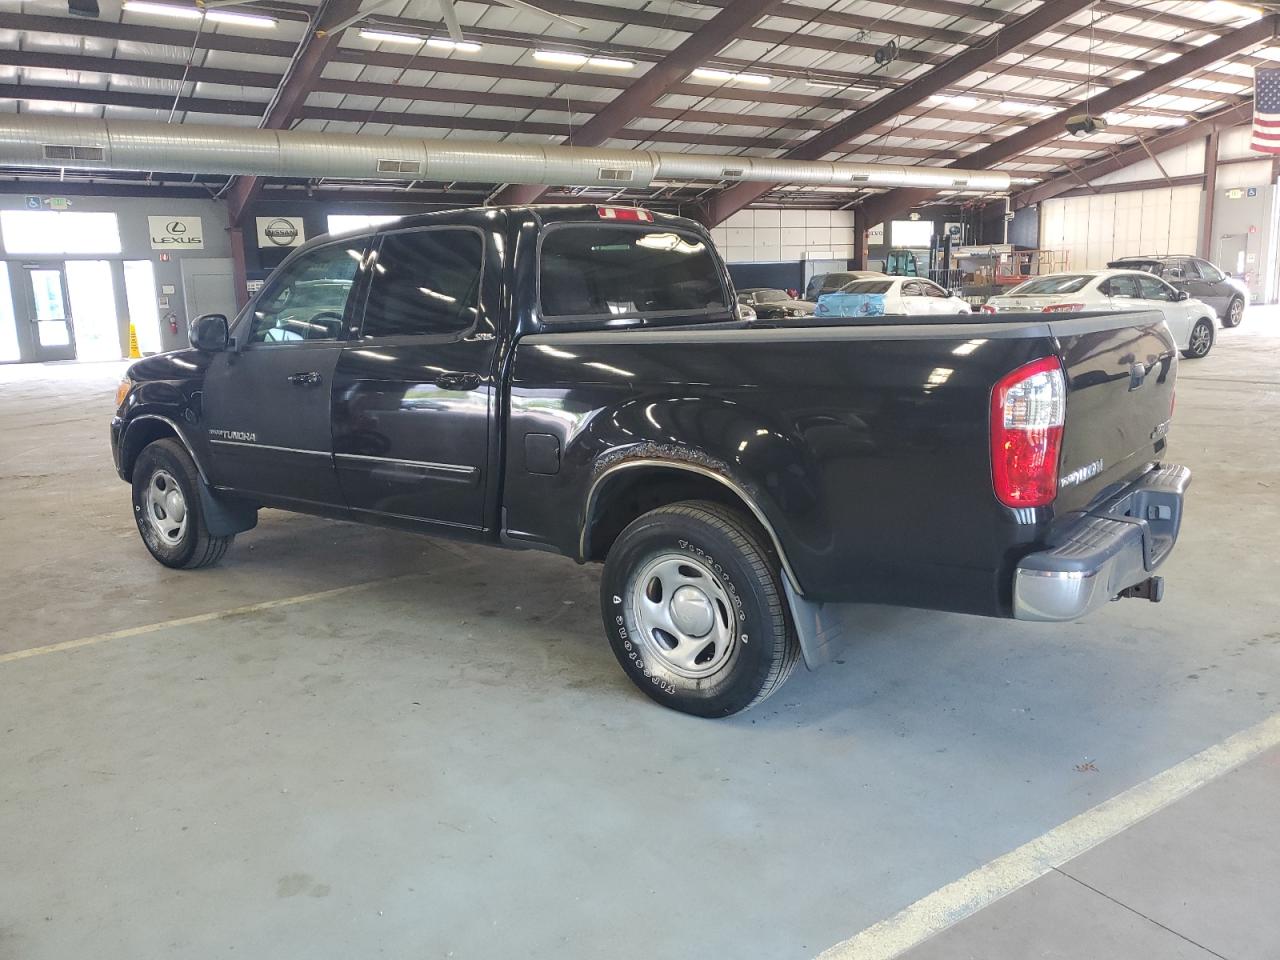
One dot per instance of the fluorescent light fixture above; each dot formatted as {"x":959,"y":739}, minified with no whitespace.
{"x":611,"y":63}
{"x":728,"y":76}
{"x":1024,"y":181}
{"x":833,"y":85}
{"x":386,"y":36}
{"x":461,"y":46}
{"x":195,"y":13}
{"x":964,"y":103}
{"x":243,"y":19}
{"x":163,"y":9}
{"x":562,"y":57}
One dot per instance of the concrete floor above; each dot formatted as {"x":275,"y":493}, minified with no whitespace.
{"x":445,"y":761}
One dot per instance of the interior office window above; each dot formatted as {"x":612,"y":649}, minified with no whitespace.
{"x":599,"y":271}
{"x":348,"y":222}
{"x":307,"y":299}
{"x":911,"y":233}
{"x":424,"y":282}
{"x":59,"y":232}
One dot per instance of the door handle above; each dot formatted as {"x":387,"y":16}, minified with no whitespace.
{"x":309,"y":379}
{"x":457,"y":380}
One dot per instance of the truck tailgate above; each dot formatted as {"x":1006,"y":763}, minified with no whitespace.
{"x":1120,"y":372}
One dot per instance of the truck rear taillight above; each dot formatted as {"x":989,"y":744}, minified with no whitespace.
{"x":1028,"y":408}
{"x":629,"y":214}
{"x":1063,"y":308}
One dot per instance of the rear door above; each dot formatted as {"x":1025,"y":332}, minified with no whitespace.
{"x":414,"y":391}
{"x":266,"y":403}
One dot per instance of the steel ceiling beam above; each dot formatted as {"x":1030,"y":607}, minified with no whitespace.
{"x":1127,"y":157}
{"x":888,"y":205}
{"x":315,"y":50}
{"x":659,"y":80}
{"x":891,"y":105}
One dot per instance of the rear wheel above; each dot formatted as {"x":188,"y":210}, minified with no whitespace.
{"x":1201,"y":340}
{"x":166,"y":506}
{"x":1235,"y":312}
{"x":692,"y":602}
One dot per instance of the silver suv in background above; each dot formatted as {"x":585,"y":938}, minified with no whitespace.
{"x":1199,"y":278}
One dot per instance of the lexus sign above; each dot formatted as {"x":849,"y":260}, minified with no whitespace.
{"x":176,"y":233}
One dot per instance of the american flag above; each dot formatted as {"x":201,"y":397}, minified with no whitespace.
{"x":1266,"y":110}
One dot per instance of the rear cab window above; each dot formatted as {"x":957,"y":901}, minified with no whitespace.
{"x":591,"y":272}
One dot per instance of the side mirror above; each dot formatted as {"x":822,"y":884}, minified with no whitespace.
{"x":209,"y":332}
{"x":1182,"y":295}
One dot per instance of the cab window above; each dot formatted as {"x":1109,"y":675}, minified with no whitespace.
{"x":424,"y":282}
{"x":1153,"y":289}
{"x":1208,"y":271}
{"x":308,"y":297}
{"x":1122,"y":288}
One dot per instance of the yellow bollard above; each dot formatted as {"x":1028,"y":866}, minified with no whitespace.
{"x":134,"y":352}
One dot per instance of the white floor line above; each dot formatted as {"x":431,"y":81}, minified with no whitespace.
{"x":966,"y":896}
{"x":197,"y":618}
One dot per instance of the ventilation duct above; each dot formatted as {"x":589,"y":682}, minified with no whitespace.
{"x":33,"y":141}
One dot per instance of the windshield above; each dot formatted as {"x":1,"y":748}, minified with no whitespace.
{"x":867,"y":286}
{"x":590,"y":271}
{"x":1047,"y":286}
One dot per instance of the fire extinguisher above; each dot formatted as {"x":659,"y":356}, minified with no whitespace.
{"x":173,"y":322}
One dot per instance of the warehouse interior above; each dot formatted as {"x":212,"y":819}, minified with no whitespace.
{"x":347,"y":739}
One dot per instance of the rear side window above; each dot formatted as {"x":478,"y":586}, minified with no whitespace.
{"x":590,"y":271}
{"x":424,"y":282}
{"x":1044,"y":286}
{"x":867,"y":286}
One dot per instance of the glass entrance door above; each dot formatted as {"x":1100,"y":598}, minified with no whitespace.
{"x":49,"y":302}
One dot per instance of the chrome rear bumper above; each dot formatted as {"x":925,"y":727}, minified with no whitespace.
{"x":1106,"y":551}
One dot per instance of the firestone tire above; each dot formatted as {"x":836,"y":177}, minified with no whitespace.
{"x":166,"y":507}
{"x":692,"y":603}
{"x":1201,"y":340}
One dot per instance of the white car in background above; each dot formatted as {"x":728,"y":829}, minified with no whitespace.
{"x":1191,"y":321}
{"x":910,"y":296}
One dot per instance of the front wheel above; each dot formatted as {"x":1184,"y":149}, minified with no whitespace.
{"x":1201,"y":340}
{"x":692,"y":603}
{"x":1235,"y":312}
{"x":166,"y":506}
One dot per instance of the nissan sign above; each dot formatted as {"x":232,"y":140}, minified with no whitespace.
{"x":280,"y":232}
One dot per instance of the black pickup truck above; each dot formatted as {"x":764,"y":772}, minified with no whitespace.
{"x":576,"y":379}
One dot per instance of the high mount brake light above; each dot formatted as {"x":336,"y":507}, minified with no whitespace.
{"x":1028,"y":409}
{"x":1063,"y":308}
{"x":629,"y":214}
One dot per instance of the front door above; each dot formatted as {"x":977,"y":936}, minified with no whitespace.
{"x":48,"y":308}
{"x":414,"y":393}
{"x":267,"y":400}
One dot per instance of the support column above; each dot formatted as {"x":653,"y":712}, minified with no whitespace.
{"x":1210,"y":194}
{"x":860,"y":230}
{"x":239,"y":273}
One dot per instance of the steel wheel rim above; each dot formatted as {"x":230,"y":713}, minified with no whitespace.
{"x":1200,"y":339}
{"x":1237,"y":311}
{"x":683,"y":615}
{"x":166,"y":507}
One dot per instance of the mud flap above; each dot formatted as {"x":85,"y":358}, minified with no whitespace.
{"x":226,"y":515}
{"x":821,"y":628}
